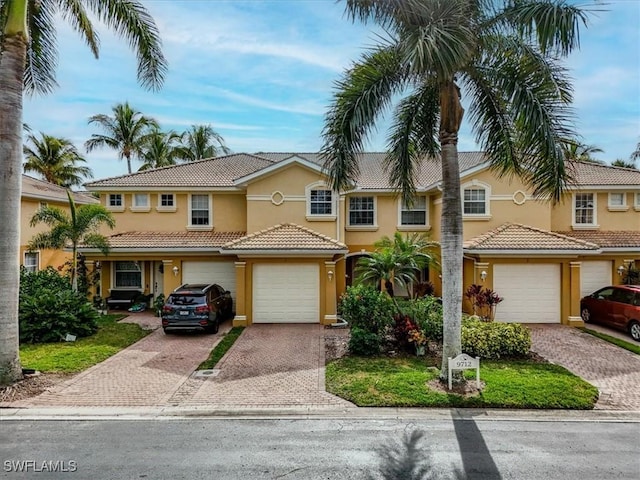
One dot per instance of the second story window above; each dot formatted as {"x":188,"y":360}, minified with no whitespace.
{"x":475,"y":201}
{"x":416,"y":214}
{"x":167,"y":200}
{"x":320,"y":202}
{"x":140,"y":202}
{"x":361,"y":211}
{"x":584,"y":209}
{"x":200,"y":212}
{"x":115,"y":200}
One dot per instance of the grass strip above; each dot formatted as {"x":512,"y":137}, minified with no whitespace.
{"x":73,"y":357}
{"x":221,"y":348}
{"x":616,"y":341}
{"x":404,"y":382}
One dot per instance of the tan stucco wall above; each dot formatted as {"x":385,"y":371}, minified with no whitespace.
{"x":606,"y":219}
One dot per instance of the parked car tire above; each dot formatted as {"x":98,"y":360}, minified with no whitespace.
{"x":586,"y":315}
{"x":634,"y":330}
{"x":167,"y":331}
{"x":215,"y":326}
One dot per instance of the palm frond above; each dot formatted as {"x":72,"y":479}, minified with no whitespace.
{"x":42,"y":50}
{"x":365,"y":91}
{"x":131,"y":20}
{"x":74,"y":12}
{"x":95,"y":240}
{"x":49,"y":216}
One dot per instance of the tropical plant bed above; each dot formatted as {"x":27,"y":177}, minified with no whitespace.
{"x":406,"y":381}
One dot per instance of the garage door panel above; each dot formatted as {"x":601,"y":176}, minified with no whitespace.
{"x":531,"y":293}
{"x":594,"y":275}
{"x":286,"y":293}
{"x":222,"y":273}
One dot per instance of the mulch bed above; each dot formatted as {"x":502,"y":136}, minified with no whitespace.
{"x":30,"y":386}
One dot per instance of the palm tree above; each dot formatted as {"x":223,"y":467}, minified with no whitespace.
{"x":388,"y":266}
{"x":504,"y":57}
{"x":636,"y":154}
{"x":55,"y":159}
{"x":80,"y":226}
{"x":159,"y":149}
{"x":624,"y":163}
{"x":202,"y":141}
{"x":125,"y":132}
{"x":581,"y":152}
{"x":28,"y":54}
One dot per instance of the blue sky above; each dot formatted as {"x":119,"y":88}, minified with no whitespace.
{"x":261,"y":73}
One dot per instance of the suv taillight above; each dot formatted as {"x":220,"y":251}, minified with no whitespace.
{"x":202,"y":309}
{"x":167,"y":309}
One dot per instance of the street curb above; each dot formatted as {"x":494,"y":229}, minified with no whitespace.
{"x":315,"y":412}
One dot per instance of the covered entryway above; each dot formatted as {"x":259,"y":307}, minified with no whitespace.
{"x":286,"y":293}
{"x":594,"y":275}
{"x":223,"y":273}
{"x":531,"y":292}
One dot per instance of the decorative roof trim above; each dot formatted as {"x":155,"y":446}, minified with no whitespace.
{"x":278,"y":166}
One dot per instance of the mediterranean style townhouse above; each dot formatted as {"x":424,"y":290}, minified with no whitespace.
{"x":35,"y":195}
{"x":268,"y":228}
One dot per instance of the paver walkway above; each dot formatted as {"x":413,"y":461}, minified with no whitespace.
{"x":615,"y":371}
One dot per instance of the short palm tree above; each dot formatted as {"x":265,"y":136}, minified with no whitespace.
{"x":55,"y":160}
{"x":387,"y":266}
{"x":80,"y":226}
{"x":159,"y":149}
{"x":581,"y":152}
{"x":503,"y":57}
{"x":28,"y":53}
{"x":202,"y":141}
{"x":125,"y":132}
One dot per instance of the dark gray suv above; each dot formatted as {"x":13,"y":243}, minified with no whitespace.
{"x":197,"y":307}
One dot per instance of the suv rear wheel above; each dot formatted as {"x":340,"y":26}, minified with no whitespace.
{"x":215,"y":324}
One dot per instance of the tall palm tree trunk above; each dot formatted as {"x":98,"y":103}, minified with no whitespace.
{"x":12,"y":64}
{"x":451,"y":113}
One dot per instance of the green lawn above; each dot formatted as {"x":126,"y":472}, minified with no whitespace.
{"x":635,"y":348}
{"x":221,"y":348}
{"x":402,"y":382}
{"x":73,"y":357}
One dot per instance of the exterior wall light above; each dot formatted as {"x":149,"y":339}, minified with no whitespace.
{"x":330,"y":275}
{"x":483,"y":275}
{"x":175,"y":271}
{"x":620,"y":270}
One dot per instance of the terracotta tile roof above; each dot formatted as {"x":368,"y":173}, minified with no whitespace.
{"x":514,"y":237}
{"x":172,"y":240}
{"x":586,"y":173}
{"x":372,"y":173}
{"x":608,"y":239}
{"x":288,"y":237}
{"x":41,"y":190}
{"x":212,"y":172}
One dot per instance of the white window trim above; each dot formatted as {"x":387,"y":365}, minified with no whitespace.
{"x":311,"y":217}
{"x":362,"y":228}
{"x":201,"y":227}
{"x":24,"y":259}
{"x":162,"y":208}
{"x":138,"y":208}
{"x":584,"y":226}
{"x":115,"y":208}
{"x":618,"y":208}
{"x":113,"y":276}
{"x":636,"y":205}
{"x":414,"y":228}
{"x":477,"y":185}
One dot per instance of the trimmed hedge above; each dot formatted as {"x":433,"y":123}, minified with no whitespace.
{"x":366,"y":308}
{"x":490,"y":340}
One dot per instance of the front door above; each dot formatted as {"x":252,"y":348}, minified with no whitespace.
{"x":158,"y":279}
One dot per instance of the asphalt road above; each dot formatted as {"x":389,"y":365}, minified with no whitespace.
{"x":202,"y":448}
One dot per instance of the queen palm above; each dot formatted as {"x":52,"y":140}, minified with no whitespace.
{"x":202,"y":141}
{"x":56,"y":160}
{"x":125,"y":132}
{"x":80,"y":226}
{"x":503,"y":57}
{"x":28,"y":53}
{"x":159,"y":149}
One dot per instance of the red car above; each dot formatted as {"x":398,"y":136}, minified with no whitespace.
{"x":617,"y":307}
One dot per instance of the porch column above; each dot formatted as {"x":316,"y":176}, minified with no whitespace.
{"x":574,"y":320}
{"x":330,"y":296}
{"x":240,"y":320}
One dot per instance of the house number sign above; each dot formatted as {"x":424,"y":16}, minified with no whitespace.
{"x":464,"y":362}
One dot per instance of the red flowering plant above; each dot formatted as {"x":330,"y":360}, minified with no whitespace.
{"x":484,"y":301}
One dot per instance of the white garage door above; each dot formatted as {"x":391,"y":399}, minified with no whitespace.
{"x":286,"y":293}
{"x":222,"y":273}
{"x":531,"y":293}
{"x":594,"y":275}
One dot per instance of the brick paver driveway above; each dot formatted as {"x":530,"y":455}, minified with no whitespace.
{"x":268,"y":366}
{"x":615,"y":371}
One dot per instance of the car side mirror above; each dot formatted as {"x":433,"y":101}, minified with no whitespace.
{"x":227,"y":292}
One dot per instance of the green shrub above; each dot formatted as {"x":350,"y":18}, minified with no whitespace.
{"x":491,"y":340}
{"x":366,"y":308}
{"x":426,"y":312}
{"x":49,"y":309}
{"x":364,"y":343}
